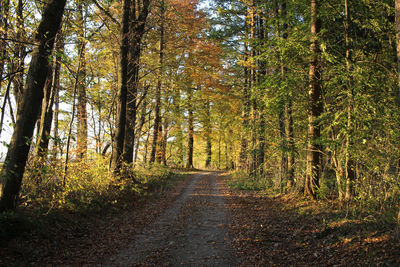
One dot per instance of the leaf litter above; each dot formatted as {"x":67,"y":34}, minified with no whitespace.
{"x":203,"y":222}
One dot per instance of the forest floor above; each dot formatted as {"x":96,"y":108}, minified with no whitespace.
{"x":202,"y":222}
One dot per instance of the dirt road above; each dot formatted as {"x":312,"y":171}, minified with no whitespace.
{"x":191,"y":232}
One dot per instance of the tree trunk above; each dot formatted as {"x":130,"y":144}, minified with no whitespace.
{"x":51,"y":89}
{"x":288,"y":117}
{"x":252,"y":83}
{"x":397,"y":23}
{"x":146,"y":146}
{"x":243,"y":157}
{"x":82,"y":130}
{"x":291,"y":145}
{"x":17,"y":154}
{"x":99,"y":145}
{"x":141,"y":124}
{"x":137,"y":27}
{"x":131,"y":109}
{"x":118,"y":147}
{"x":178,"y":113}
{"x":261,"y":36}
{"x":71,"y":123}
{"x":314,"y":108}
{"x":283,"y":168}
{"x":56,"y":142}
{"x":157,"y":116}
{"x":164,"y":142}
{"x":159,"y":142}
{"x":208,"y":129}
{"x":4,"y":13}
{"x":19,"y":55}
{"x":337,"y":163}
{"x":3,"y":107}
{"x":219,"y":151}
{"x":350,"y":166}
{"x":189,"y":162}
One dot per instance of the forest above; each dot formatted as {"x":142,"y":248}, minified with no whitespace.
{"x":110,"y":105}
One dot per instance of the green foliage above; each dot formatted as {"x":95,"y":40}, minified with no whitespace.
{"x":242,"y":180}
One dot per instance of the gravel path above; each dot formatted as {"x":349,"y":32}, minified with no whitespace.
{"x":191,"y":232}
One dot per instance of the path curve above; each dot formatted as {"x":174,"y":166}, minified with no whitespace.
{"x":191,"y":232}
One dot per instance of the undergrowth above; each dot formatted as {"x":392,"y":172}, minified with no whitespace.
{"x":89,"y":189}
{"x":370,"y":211}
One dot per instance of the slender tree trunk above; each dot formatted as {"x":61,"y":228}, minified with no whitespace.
{"x":283,"y":168}
{"x":178,"y":113}
{"x":4,"y":13}
{"x":397,"y":27}
{"x":162,"y":158}
{"x":11,"y":110}
{"x":81,"y":92}
{"x":189,"y":163}
{"x":289,"y":156}
{"x":252,"y":83}
{"x":337,"y":163}
{"x":14,"y":166}
{"x":181,"y":146}
{"x":314,"y":108}
{"x":159,"y":142}
{"x":95,"y":132}
{"x":226,"y":155}
{"x":56,"y":142}
{"x":99,"y":145}
{"x":219,"y":150}
{"x":207,"y":127}
{"x":146,"y":146}
{"x":164,"y":142}
{"x":111,"y":120}
{"x":122,"y":90}
{"x":141,"y":124}
{"x":75,"y":92}
{"x":243,"y":156}
{"x":350,"y":166}
{"x":291,"y":145}
{"x":19,"y":55}
{"x":261,"y":36}
{"x":157,"y":118}
{"x":209,"y":152}
{"x":3,"y":107}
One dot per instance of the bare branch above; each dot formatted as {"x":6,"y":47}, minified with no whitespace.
{"x":106,"y":12}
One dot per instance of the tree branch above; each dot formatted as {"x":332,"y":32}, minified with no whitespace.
{"x":106,"y":12}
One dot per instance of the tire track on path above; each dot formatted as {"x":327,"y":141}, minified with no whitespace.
{"x":191,"y":232}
